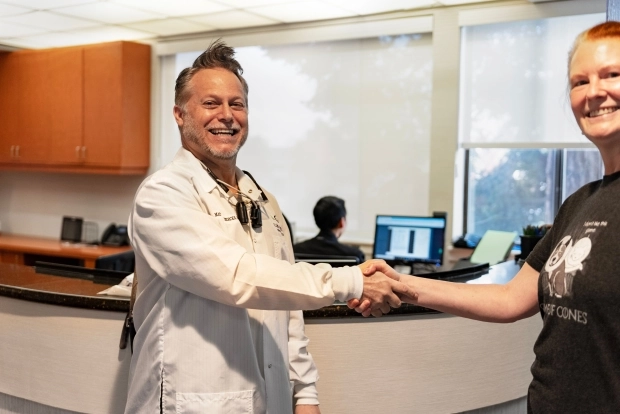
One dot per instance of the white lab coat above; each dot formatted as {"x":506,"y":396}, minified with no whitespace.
{"x":203,"y":344}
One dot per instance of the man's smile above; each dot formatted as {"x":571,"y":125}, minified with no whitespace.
{"x":223,"y":131}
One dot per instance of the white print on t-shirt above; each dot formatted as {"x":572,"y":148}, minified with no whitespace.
{"x":565,"y":260}
{"x":565,"y":313}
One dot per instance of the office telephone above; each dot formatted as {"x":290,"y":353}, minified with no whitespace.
{"x":468,"y":241}
{"x":115,"y":236}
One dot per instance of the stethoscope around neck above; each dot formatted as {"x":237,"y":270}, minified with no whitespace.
{"x":242,"y":213}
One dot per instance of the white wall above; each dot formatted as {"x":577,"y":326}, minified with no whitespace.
{"x":34,"y":203}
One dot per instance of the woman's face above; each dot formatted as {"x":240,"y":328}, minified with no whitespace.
{"x":595,"y":89}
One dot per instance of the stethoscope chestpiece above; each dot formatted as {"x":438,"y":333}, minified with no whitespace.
{"x":242,"y":213}
{"x":256,"y":216}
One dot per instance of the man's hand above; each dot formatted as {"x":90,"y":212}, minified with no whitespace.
{"x":307,"y":409}
{"x":377,"y":265}
{"x":380,"y":291}
{"x":365,"y":305}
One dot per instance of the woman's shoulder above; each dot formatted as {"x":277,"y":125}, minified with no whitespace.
{"x":585,"y":191}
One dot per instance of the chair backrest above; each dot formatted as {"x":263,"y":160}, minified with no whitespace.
{"x":333,"y":260}
{"x":124,"y":262}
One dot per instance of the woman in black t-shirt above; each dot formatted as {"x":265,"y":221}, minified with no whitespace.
{"x":570,"y":277}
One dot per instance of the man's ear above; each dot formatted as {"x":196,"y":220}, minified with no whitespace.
{"x":341,"y":223}
{"x":178,"y":115}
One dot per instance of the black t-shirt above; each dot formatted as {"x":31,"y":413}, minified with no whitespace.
{"x":326,"y":243}
{"x":577,"y":366}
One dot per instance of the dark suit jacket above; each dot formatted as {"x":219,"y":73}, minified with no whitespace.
{"x":326,"y":243}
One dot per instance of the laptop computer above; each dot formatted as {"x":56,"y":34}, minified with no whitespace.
{"x":494,"y":247}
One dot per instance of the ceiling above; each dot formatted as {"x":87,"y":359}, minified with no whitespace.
{"x":37,"y":24}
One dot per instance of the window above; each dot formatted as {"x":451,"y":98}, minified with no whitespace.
{"x":509,"y":188}
{"x":580,"y":166}
{"x":524,"y":152}
{"x":348,"y":118}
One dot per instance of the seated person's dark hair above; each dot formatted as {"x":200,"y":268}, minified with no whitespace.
{"x":330,"y":217}
{"x":328,"y":211}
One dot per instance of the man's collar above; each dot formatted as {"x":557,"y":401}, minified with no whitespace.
{"x":327,"y":235}
{"x":246,"y":185}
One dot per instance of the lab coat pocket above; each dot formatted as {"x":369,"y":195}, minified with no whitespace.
{"x":282,"y":251}
{"x":238,"y":402}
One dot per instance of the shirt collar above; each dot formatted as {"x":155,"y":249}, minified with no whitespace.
{"x":327,"y":235}
{"x":246,"y":185}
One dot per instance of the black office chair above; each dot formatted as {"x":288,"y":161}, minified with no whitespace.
{"x":122,"y":262}
{"x":333,"y":260}
{"x":290,"y":229}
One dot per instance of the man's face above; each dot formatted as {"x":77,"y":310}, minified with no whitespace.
{"x":214,"y":120}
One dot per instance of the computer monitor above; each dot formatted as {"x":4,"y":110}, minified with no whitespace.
{"x":408,"y":240}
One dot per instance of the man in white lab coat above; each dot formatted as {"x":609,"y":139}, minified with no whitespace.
{"x":219,"y":328}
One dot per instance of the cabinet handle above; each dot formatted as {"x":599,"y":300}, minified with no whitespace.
{"x":83,"y":153}
{"x":16,"y":151}
{"x":77,"y":152}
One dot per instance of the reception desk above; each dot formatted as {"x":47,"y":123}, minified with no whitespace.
{"x":16,"y":249}
{"x":59,"y":348}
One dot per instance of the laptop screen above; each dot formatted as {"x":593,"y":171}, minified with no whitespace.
{"x":408,"y":239}
{"x":494,"y":247}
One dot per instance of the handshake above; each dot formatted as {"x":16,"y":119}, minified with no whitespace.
{"x":384,"y":288}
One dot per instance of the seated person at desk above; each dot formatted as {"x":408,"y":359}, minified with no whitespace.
{"x":330,"y":216}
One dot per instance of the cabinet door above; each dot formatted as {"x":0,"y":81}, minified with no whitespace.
{"x":9,"y":90}
{"x":23,"y":101}
{"x":32,"y":108}
{"x":103,"y":99}
{"x":65,"y":67}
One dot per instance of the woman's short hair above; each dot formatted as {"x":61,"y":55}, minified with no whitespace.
{"x":606,"y":30}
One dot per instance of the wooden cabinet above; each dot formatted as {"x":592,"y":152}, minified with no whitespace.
{"x":78,"y":109}
{"x":9,"y":67}
{"x":66,"y":90}
{"x":117,"y":105}
{"x":23,"y":118}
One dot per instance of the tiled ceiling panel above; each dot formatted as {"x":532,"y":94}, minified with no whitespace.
{"x":106,"y":12}
{"x":301,"y":11}
{"x":233,"y":19}
{"x":170,"y":27}
{"x":176,"y":7}
{"x":46,"y":23}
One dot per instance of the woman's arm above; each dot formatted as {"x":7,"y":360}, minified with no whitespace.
{"x":515,"y":300}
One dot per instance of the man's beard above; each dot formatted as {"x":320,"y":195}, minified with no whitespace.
{"x":194,"y":134}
